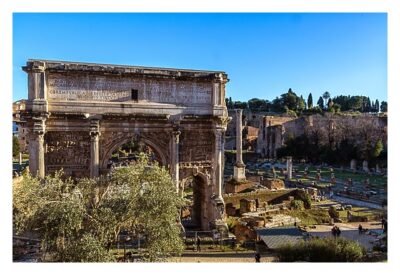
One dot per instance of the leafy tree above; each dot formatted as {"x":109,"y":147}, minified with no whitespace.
{"x":320,"y":102}
{"x":336,"y":107}
{"x":277,"y":105}
{"x":87,"y":249}
{"x":16,"y":148}
{"x":256,"y":104}
{"x":343,"y":101}
{"x":355,"y":103}
{"x":384,"y":106}
{"x":368,"y":106}
{"x":80,"y":221}
{"x":301,"y":104}
{"x":377,"y":149}
{"x":376,"y":107}
{"x":290,"y":100}
{"x":326,"y":96}
{"x":240,"y":105}
{"x":309,"y":101}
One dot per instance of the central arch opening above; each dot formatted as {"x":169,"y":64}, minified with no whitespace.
{"x":129,"y":151}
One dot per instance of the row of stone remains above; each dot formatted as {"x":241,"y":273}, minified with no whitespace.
{"x":251,"y":182}
{"x":365,"y":168}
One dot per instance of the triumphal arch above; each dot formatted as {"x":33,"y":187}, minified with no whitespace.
{"x":77,"y":114}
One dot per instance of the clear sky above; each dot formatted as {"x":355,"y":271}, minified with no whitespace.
{"x":264,"y":54}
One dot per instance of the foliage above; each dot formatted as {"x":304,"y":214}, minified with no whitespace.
{"x":334,"y":139}
{"x":309,"y":101}
{"x":305,"y":198}
{"x":87,"y":249}
{"x":320,"y":102}
{"x":231,"y":222}
{"x":73,"y":217}
{"x":333,"y":213}
{"x":15,"y":145}
{"x":256,"y":104}
{"x":322,"y":250}
{"x":290,"y":101}
{"x":297,"y":204}
{"x":377,"y":149}
{"x":384,"y":106}
{"x":311,"y":216}
{"x":326,"y":96}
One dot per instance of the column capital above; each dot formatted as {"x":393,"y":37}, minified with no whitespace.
{"x":39,"y":124}
{"x":94,"y":128}
{"x":221,"y":122}
{"x":239,"y":111}
{"x":175,"y":135}
{"x":34,"y":66}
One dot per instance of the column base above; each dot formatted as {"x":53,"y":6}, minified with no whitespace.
{"x":239,"y":173}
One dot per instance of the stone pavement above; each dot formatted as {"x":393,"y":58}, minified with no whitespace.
{"x":355,"y":202}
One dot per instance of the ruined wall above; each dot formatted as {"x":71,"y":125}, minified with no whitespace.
{"x":276,"y":130}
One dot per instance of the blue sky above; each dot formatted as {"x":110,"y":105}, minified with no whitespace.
{"x":264,"y":54}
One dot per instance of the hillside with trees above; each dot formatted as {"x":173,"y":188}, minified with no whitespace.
{"x":292,"y":103}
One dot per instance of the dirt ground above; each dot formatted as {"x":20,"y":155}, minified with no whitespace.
{"x":221,"y":257}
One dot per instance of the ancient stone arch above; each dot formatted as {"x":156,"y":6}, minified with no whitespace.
{"x":78,"y":113}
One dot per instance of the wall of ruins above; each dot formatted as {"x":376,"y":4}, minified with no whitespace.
{"x":275,"y":130}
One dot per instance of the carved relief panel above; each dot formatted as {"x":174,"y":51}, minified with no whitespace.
{"x":67,"y":150}
{"x":196,"y":146}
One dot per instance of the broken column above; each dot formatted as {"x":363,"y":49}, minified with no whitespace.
{"x":365,"y":166}
{"x":239,"y":172}
{"x":289,"y":167}
{"x":353,"y":165}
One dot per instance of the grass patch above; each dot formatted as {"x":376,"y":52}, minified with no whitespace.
{"x":310,"y":216}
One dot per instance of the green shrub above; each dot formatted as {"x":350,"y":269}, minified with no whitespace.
{"x":333,"y":213}
{"x":322,"y":250}
{"x":305,"y":197}
{"x":297,"y":204}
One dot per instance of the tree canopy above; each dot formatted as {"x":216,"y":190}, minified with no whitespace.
{"x":81,"y":221}
{"x":15,"y":145}
{"x":290,"y":101}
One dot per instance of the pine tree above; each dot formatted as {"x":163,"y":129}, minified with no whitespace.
{"x":309,"y":101}
{"x":326,"y":96}
{"x":320,"y":102}
{"x":376,"y":109}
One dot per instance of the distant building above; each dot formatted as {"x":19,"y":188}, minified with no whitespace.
{"x":18,"y":131}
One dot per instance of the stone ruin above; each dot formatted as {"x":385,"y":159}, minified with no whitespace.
{"x":77,"y":114}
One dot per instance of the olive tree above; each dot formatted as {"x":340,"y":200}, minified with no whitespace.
{"x":80,"y":220}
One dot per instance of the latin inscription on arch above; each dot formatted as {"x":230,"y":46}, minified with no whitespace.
{"x":118,"y":89}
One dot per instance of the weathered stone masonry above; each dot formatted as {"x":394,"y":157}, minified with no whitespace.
{"x":77,"y":114}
